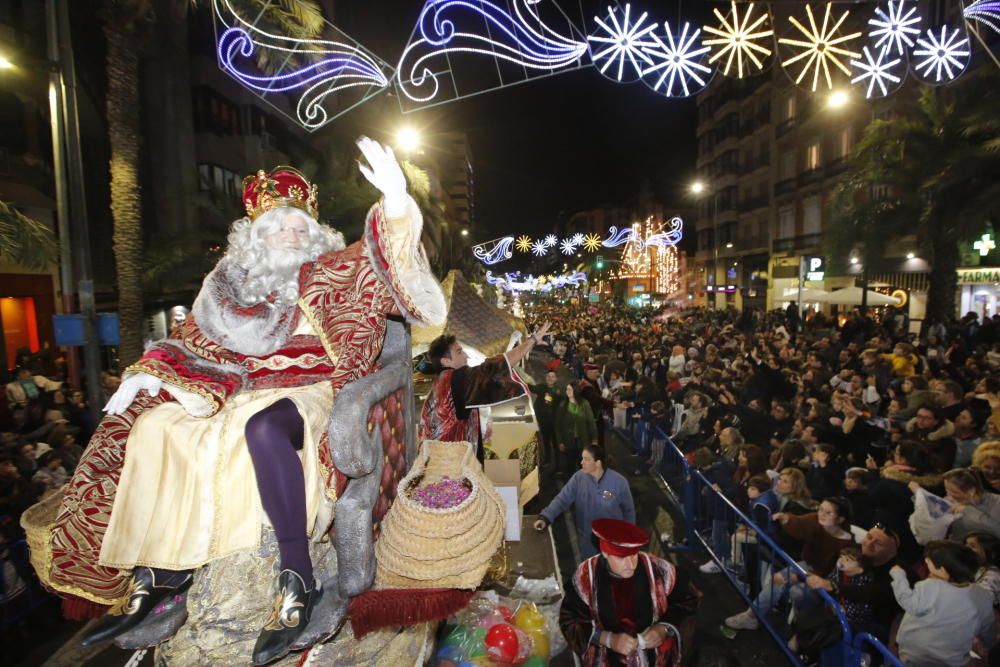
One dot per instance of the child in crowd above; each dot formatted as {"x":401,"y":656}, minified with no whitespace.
{"x":987,"y":548}
{"x":943,"y":613}
{"x":853,"y":569}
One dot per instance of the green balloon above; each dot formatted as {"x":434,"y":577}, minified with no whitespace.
{"x":535,"y":661}
{"x":477,"y":640}
{"x":457,"y":636}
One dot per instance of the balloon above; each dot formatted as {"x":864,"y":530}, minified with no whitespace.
{"x":491,"y":619}
{"x":450,"y":653}
{"x":457,"y":636}
{"x":477,"y":643}
{"x":529,"y":618}
{"x":539,"y":643}
{"x":501,"y":643}
{"x":535,"y":661}
{"x":506,"y":613}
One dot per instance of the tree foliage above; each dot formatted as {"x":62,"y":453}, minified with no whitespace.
{"x":928,"y":171}
{"x":25,"y":241}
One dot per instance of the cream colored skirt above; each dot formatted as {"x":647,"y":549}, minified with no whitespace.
{"x":188,"y":493}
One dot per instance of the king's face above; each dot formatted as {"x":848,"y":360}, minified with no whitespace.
{"x":293,"y":234}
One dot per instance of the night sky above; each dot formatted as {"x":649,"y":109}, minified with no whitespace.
{"x":545,"y":148}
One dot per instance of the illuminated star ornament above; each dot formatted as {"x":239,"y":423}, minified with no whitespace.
{"x":550,"y":240}
{"x":877,"y":70}
{"x":946,"y":56}
{"x":539,"y":248}
{"x":896,"y":29}
{"x":739,"y":40}
{"x":620,"y":43}
{"x":821,"y":47}
{"x":679,"y":67}
{"x":523,"y":243}
{"x":986,"y":12}
{"x":567,"y":247}
{"x":577,"y":238}
{"x":592,"y":242}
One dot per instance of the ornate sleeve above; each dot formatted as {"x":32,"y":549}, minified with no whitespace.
{"x":200,"y":373}
{"x":394,"y":249}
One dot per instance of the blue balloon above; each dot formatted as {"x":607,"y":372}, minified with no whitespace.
{"x":453,"y":653}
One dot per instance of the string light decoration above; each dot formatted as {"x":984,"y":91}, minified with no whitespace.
{"x":567,"y":247}
{"x":514,"y":282}
{"x":742,"y":40}
{"x":617,"y":237}
{"x":821,"y":47}
{"x":313,"y":69}
{"x":679,"y":63}
{"x":986,"y":12}
{"x":521,"y":38}
{"x":668,"y":274}
{"x":635,"y":260}
{"x":523,"y":243}
{"x":946,"y":56}
{"x":619,"y":45}
{"x":577,"y":238}
{"x":878,"y":70}
{"x":550,"y":240}
{"x":672,"y":236}
{"x":539,"y":248}
{"x":592,"y":242}
{"x":894,"y":30}
{"x":645,"y":259}
{"x":492,"y":252}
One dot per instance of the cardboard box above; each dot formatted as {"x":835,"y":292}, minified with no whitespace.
{"x":506,"y":477}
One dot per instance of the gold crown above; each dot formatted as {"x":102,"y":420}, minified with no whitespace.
{"x":283,"y":186}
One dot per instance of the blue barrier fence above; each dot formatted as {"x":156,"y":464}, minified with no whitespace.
{"x":745,"y":550}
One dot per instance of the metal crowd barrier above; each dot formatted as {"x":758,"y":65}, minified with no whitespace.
{"x":740,"y":545}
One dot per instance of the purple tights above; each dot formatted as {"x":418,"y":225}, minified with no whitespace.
{"x":273,"y":437}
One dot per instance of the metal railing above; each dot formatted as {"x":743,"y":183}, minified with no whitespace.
{"x":741,"y":545}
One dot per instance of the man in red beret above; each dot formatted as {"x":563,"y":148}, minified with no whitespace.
{"x":216,"y":431}
{"x":616,"y":613}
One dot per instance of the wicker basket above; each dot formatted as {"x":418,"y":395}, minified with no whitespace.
{"x":425,"y":547}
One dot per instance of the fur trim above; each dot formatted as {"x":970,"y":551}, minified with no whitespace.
{"x":416,"y":281}
{"x":925,"y":480}
{"x":254,"y":331}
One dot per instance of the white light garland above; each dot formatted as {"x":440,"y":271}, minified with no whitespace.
{"x":539,"y":248}
{"x":567,"y":247}
{"x":739,"y":40}
{"x":679,"y":63}
{"x":986,"y":12}
{"x":895,"y":30}
{"x":620,"y":45}
{"x":946,"y":56}
{"x":821,"y":47}
{"x":551,"y":240}
{"x":877,"y":70}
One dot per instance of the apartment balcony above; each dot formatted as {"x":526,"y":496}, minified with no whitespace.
{"x":811,"y":175}
{"x":754,"y":203}
{"x":836,"y":166}
{"x":747,"y":242}
{"x":753,"y":164}
{"x":803,"y":242}
{"x":785,"y":186}
{"x":784,"y":127}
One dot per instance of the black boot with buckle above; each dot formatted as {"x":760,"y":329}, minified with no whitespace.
{"x":290,"y":613}
{"x":147,"y":589}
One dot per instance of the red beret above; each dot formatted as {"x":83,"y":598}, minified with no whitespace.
{"x":619,"y":538}
{"x":552,"y":364}
{"x":591,"y":367}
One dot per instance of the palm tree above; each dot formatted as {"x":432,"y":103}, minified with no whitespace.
{"x":24,"y":241}
{"x":124,"y":22}
{"x":936,"y":160}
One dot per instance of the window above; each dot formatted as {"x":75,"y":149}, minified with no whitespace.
{"x":812,"y":216}
{"x":844,"y":142}
{"x":788,"y":107}
{"x":786,"y":222}
{"x":787,"y":167}
{"x":812,"y":156}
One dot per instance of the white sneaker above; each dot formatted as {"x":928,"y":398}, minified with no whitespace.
{"x":711,"y":567}
{"x":745,"y":620}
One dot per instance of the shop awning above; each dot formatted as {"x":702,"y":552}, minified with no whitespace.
{"x":851,"y":296}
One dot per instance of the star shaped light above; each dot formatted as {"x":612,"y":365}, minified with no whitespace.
{"x":986,"y":12}
{"x":592,"y":242}
{"x":820,"y":46}
{"x":523,"y":243}
{"x":577,"y":238}
{"x":622,"y":44}
{"x":739,"y":40}
{"x":539,"y":248}
{"x":679,"y":63}
{"x":550,"y":240}
{"x":877,"y":69}
{"x":942,"y":54}
{"x":567,"y":247}
{"x":894,"y":30}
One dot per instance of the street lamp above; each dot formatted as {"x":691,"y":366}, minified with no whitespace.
{"x":838,"y":99}
{"x":408,"y":139}
{"x":465,"y":232}
{"x":698,"y":188}
{"x":5,"y":63}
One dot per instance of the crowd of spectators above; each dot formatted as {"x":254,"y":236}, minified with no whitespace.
{"x":869,"y":453}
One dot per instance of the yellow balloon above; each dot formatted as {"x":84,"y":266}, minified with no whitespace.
{"x":539,"y":643}
{"x":529,"y":618}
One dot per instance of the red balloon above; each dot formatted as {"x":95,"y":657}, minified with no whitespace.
{"x":507,"y":614}
{"x":501,"y":643}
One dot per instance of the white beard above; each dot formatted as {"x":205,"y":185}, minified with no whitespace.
{"x":278,"y":274}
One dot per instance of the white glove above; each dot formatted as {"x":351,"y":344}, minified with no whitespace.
{"x":129,"y":389}
{"x":384,"y":173}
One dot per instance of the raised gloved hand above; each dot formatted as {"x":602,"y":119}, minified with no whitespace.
{"x":384,"y":172}
{"x":129,"y":389}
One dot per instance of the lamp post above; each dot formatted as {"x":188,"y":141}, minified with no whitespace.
{"x":699,"y":189}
